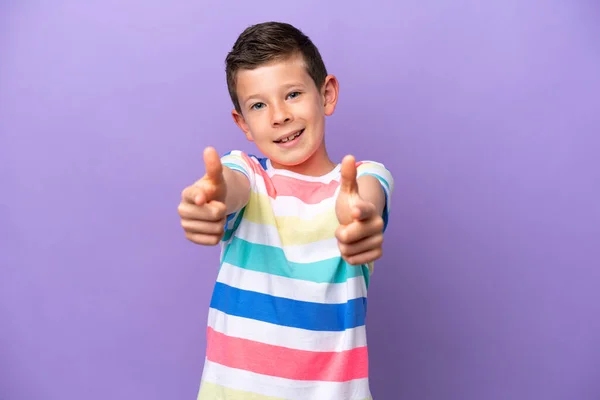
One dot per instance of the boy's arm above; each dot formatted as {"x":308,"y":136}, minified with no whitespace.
{"x":238,"y":190}
{"x":370,"y":189}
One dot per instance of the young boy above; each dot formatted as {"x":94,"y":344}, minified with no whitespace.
{"x":299,"y":233}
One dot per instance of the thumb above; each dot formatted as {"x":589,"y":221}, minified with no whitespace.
{"x":348,"y":182}
{"x":214,"y":168}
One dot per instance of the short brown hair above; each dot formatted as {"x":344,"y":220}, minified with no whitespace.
{"x":271,"y":41}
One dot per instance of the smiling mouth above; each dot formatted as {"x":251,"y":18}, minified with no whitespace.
{"x":290,"y":138}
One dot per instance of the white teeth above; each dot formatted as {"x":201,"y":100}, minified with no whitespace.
{"x":294,"y":136}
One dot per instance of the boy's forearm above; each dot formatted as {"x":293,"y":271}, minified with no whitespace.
{"x":238,"y":190}
{"x":369,"y":188}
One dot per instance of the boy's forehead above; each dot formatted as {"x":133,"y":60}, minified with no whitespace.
{"x":275,"y":73}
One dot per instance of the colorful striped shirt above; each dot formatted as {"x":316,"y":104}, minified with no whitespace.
{"x":287,"y":314}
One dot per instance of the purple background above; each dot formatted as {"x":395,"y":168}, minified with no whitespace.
{"x":487,"y":113}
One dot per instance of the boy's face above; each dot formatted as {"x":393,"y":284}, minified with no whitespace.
{"x":283,"y":112}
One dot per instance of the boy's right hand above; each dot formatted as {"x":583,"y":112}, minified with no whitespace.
{"x":202,"y":208}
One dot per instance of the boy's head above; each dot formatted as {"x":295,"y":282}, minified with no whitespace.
{"x":270,"y":42}
{"x":279,"y":87}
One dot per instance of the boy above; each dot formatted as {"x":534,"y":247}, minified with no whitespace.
{"x":299,"y":233}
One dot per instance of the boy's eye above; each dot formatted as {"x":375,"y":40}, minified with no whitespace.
{"x":257,"y":106}
{"x":293,"y":95}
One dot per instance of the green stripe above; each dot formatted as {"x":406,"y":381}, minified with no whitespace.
{"x":272,"y":260}
{"x":387,"y":185}
{"x":235,"y":167}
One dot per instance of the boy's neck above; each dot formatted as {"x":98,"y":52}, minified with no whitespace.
{"x":318,"y":164}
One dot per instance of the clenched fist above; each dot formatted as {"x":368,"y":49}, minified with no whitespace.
{"x":202,"y":208}
{"x":360,"y":234}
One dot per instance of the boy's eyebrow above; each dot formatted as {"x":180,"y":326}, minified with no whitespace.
{"x":285,"y":87}
{"x":248,"y":98}
{"x":292,"y":84}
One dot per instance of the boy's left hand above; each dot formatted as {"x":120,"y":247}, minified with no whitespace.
{"x":360,"y":234}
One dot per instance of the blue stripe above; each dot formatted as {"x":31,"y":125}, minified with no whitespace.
{"x":230,"y":230}
{"x":261,"y":161}
{"x":386,"y":214}
{"x":288,"y":312}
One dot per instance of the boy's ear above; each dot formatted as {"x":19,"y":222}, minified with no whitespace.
{"x":241,"y":122}
{"x":330,"y":92}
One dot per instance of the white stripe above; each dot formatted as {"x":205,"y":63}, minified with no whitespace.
{"x":285,"y":206}
{"x":295,"y":289}
{"x":302,"y":253}
{"x":378,"y":169}
{"x":284,"y":336}
{"x":259,"y":184}
{"x":265,"y":385}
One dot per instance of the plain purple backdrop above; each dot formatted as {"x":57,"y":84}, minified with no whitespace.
{"x":487,"y":113}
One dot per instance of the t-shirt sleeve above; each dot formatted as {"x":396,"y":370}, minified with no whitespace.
{"x":384,"y":176}
{"x":239,"y":161}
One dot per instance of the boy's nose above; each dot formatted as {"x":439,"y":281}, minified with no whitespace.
{"x":281,"y":115}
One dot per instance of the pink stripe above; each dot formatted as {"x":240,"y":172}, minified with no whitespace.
{"x":260,"y":171}
{"x":308,"y":192}
{"x":284,"y":362}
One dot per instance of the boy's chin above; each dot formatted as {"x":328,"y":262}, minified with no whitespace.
{"x":282,"y":157}
{"x":288,"y":160}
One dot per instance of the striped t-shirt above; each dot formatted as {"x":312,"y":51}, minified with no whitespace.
{"x":287,"y":315}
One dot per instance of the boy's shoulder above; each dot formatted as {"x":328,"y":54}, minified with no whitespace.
{"x":233,"y":155}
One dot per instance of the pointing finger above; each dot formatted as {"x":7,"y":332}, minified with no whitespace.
{"x":213,"y":211}
{"x":195,"y":194}
{"x":359,"y":230}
